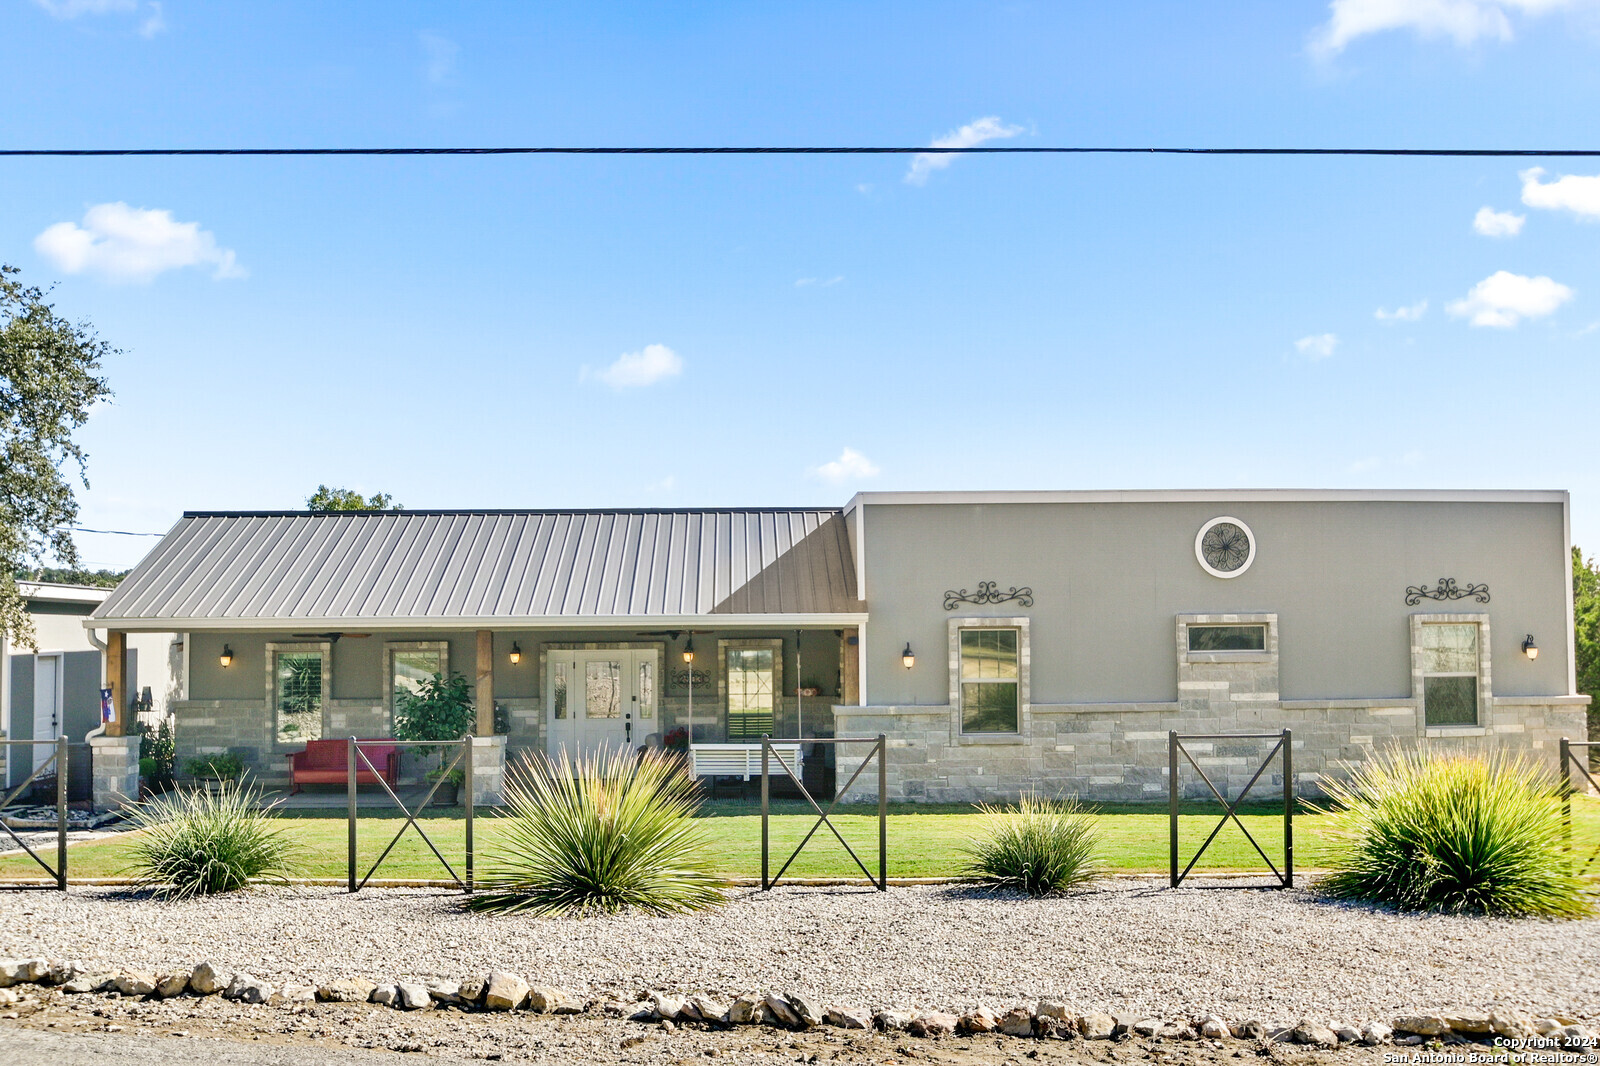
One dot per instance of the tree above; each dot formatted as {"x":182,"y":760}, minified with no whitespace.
{"x":47,"y":386}
{"x":64,"y":575}
{"x":1586,"y":623}
{"x":326,"y":499}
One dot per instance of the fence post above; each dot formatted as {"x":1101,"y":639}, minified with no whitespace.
{"x":1288,"y":809}
{"x":765,"y":748}
{"x":1172,"y":803}
{"x":61,"y":813}
{"x":467,"y":759}
{"x":350,"y":796}
{"x":883,"y":812}
{"x":1566,"y":791}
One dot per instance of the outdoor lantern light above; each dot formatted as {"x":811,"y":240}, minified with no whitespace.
{"x":227,"y":657}
{"x":688,"y":651}
{"x":516,"y":653}
{"x":907,"y":658}
{"x":1529,"y":648}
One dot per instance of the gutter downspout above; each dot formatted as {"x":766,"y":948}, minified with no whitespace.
{"x":97,"y":642}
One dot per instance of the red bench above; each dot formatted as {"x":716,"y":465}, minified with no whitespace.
{"x":324,"y":762}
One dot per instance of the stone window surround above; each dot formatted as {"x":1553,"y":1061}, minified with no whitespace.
{"x":325,"y":648}
{"x":954,"y":626}
{"x":1485,"y":686}
{"x":1268,"y":655}
{"x":390,"y":647}
{"x":724,"y":646}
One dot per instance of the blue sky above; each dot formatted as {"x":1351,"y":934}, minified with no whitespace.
{"x":712,"y":331}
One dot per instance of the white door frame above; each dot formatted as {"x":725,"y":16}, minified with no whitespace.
{"x":53,"y":709}
{"x":639,"y":712}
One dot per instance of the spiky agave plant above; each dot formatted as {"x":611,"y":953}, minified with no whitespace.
{"x":1042,"y":846}
{"x":196,"y":843}
{"x":1478,"y":834}
{"x":606,"y":832}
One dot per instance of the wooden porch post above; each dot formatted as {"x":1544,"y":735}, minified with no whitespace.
{"x":117,"y":681}
{"x":485,"y":688}
{"x":850,"y":668}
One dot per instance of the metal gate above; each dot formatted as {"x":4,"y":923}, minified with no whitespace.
{"x":879,"y":746}
{"x":463,"y":761}
{"x":1569,"y":759}
{"x":1230,"y":810}
{"x":57,"y":759}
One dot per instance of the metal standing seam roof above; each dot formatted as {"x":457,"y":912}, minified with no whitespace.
{"x":440,"y":566}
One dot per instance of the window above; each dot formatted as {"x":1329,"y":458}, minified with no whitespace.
{"x":410,"y":665}
{"x":1448,"y":664}
{"x":297,"y":690}
{"x":751,"y":685}
{"x":1227,"y":638}
{"x":989,"y":680}
{"x":602,"y":690}
{"x":558,"y":686}
{"x":647,"y":687}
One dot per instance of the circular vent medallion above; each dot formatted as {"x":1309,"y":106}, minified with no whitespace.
{"x":1225,"y":547}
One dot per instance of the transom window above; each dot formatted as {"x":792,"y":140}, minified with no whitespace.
{"x":1227,"y":638}
{"x":1449,"y":668}
{"x":751,"y":688}
{"x":989,"y":680}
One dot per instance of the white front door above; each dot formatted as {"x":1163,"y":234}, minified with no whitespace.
{"x":46,"y":705}
{"x":599,"y":699}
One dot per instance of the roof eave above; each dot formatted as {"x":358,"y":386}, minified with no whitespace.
{"x":349,"y":624}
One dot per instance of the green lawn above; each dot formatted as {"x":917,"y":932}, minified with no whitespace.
{"x":924,"y":841}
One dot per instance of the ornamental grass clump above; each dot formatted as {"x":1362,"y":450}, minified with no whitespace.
{"x":602,"y":833}
{"x":198,"y":842}
{"x":1424,"y":831}
{"x":1042,"y":847}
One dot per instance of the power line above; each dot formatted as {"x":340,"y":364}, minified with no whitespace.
{"x":116,"y":532}
{"x":977,"y":150}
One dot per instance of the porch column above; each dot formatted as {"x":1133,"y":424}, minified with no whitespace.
{"x":115,"y":754}
{"x":488,"y":750}
{"x":850,"y":668}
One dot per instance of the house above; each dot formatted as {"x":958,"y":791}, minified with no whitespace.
{"x":55,"y":691}
{"x":1004,"y":642}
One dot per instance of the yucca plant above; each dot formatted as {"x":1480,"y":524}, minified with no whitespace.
{"x":195,"y":842}
{"x":606,"y":832}
{"x":1482,"y":834}
{"x":1042,"y":846}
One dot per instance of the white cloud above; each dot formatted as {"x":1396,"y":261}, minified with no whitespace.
{"x":1491,"y":223}
{"x":1577,"y":193}
{"x":969,"y":136}
{"x":154,"y":20}
{"x":439,"y":56}
{"x":152,"y":24}
{"x":822,"y":283}
{"x":1318,"y":345}
{"x":1402,"y":314}
{"x":1464,"y":21}
{"x":652,"y":363}
{"x":850,"y":466}
{"x":1503,"y":299}
{"x":122,"y":243}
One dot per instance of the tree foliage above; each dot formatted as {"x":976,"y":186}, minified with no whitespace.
{"x":330,"y":499}
{"x":1586,"y":621}
{"x":48,"y":383}
{"x":440,"y":709}
{"x":71,"y":575}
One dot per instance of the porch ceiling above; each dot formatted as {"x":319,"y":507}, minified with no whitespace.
{"x":491,"y":569}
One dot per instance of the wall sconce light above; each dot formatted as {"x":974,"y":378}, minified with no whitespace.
{"x":1529,"y":648}
{"x":907,"y":658}
{"x":688,"y":651}
{"x":226,"y":658}
{"x":516,"y":653}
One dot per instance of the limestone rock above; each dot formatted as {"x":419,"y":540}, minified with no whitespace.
{"x":1249,"y":1030}
{"x":666,"y":1006}
{"x":779,"y":1012}
{"x":209,"y":978}
{"x":1376,"y":1033}
{"x":135,"y":983}
{"x":22,"y":971}
{"x":1175,"y":1031}
{"x":447,"y":993}
{"x":1122,"y":1024}
{"x":1048,"y":1027}
{"x":898,"y":1021}
{"x":1512,"y":1023}
{"x":1545,"y":1026}
{"x":701,"y":1007}
{"x":1422,"y":1024}
{"x":1347,"y":1034}
{"x":410,"y":995}
{"x":291,"y":994}
{"x":8,"y":997}
{"x":1146,"y":1027}
{"x":1468,"y":1021}
{"x":506,"y":991}
{"x":169,"y":985}
{"x":848,"y":1018}
{"x":1097,"y":1026}
{"x":933,"y":1023}
{"x":742,"y":1011}
{"x":384,"y":995}
{"x":62,"y":971}
{"x":981,"y":1020}
{"x":1017,"y":1022}
{"x":1575,"y":1036}
{"x":89,"y":982}
{"x":548,"y":1000}
{"x":1313,"y":1035}
{"x":1054,"y":1008}
{"x":247,"y":989}
{"x":472,"y":990}
{"x":1212,"y":1027}
{"x":809,"y":1011}
{"x":346,"y":990}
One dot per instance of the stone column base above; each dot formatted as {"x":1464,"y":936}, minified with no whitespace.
{"x":116,"y":771}
{"x":488,"y":771}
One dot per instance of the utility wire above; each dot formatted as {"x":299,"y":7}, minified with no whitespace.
{"x":978,"y":150}
{"x":116,"y":532}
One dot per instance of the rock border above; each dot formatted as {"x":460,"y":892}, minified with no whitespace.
{"x":505,"y":991}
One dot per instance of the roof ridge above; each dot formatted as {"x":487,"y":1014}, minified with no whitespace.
{"x":516,"y":511}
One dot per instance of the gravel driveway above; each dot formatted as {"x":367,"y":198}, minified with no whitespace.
{"x":1131,"y":945}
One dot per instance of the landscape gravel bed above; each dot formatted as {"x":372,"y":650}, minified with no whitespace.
{"x":1126,"y":946}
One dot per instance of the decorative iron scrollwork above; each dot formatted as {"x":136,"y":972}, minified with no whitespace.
{"x":1446,"y":589}
{"x":680,"y":678}
{"x":988,"y":592}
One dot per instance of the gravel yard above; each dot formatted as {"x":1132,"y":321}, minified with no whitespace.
{"x":1128,"y":946}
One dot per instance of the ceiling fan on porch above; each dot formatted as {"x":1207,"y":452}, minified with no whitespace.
{"x":673,"y":633}
{"x":331,"y":638}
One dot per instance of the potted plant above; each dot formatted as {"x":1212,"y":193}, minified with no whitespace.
{"x":450,"y":782}
{"x":677,"y":740}
{"x":441,"y":708}
{"x":213,"y":770}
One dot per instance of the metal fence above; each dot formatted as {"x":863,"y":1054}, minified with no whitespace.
{"x":1569,"y":759}
{"x":879,"y":746}
{"x":59,"y":761}
{"x":1284,"y":746}
{"x":463,"y":761}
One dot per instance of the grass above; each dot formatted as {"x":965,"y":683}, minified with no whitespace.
{"x":925,"y":840}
